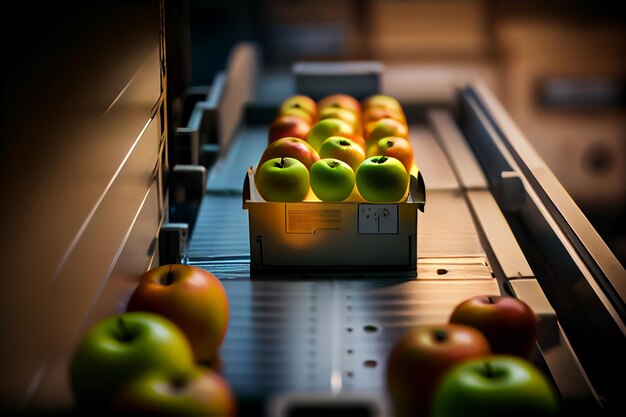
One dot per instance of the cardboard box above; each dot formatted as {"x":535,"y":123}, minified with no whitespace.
{"x":321,"y":236}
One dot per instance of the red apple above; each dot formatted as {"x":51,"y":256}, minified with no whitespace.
{"x":343,"y":101}
{"x":344,"y":149}
{"x":290,"y":147}
{"x":396,"y":147}
{"x":508,"y":323}
{"x":282,"y":180}
{"x":299,"y":102}
{"x":192,"y":298}
{"x":382,"y":179}
{"x":419,"y":358}
{"x":288,"y":126}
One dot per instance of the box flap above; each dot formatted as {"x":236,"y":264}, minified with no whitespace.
{"x":417,"y":191}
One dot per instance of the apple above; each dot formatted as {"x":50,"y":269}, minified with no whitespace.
{"x":356,"y":138}
{"x":302,"y":102}
{"x":288,"y":126}
{"x":290,"y":147}
{"x":299,"y":113}
{"x":122,"y":346}
{"x":347,"y":116}
{"x":343,"y":101}
{"x":326,"y":128}
{"x":193,"y":298}
{"x":382,"y":179}
{"x":383,"y":128}
{"x":282,"y":180}
{"x":396,"y":147}
{"x":342,"y":148}
{"x":508,"y":323}
{"x":194,"y":392}
{"x":382,"y":100}
{"x":421,"y":356}
{"x":332,"y":179}
{"x":498,"y":385}
{"x":375,"y":113}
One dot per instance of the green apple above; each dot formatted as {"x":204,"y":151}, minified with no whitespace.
{"x":326,"y":128}
{"x":332,"y":179}
{"x":122,"y":346}
{"x":499,"y":385}
{"x":195,"y":392}
{"x":344,"y":149}
{"x":282,"y":180}
{"x":382,"y":179}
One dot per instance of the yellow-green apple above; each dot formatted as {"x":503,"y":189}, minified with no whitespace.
{"x":382,"y":100}
{"x":495,"y":386}
{"x":343,"y":101}
{"x":282,"y":180}
{"x":508,"y":323}
{"x":383,"y":128}
{"x":332,"y":179}
{"x":382,"y":179}
{"x":299,"y":113}
{"x":290,"y":147}
{"x":396,"y":147}
{"x":421,"y":356}
{"x":374,"y":113}
{"x":299,"y":102}
{"x":342,"y":148}
{"x":198,"y":391}
{"x":288,"y":126}
{"x":326,"y":128}
{"x":193,"y":298}
{"x":342,"y":114}
{"x":122,"y":346}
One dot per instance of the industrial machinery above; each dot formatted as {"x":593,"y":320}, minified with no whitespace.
{"x":147,"y":175}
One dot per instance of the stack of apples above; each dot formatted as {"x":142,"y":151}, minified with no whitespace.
{"x":478,"y":364}
{"x":339,"y":148}
{"x":160,"y":356}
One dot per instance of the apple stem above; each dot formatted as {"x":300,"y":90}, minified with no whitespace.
{"x":282,"y":163}
{"x":488,"y":370}
{"x":490,"y":299}
{"x":389,"y":143}
{"x":333,"y":164}
{"x":169,"y":278}
{"x":126,"y":335}
{"x":440,"y":335}
{"x":343,"y":142}
{"x":381,"y":160}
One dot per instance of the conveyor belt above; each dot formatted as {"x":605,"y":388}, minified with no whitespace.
{"x":320,"y":333}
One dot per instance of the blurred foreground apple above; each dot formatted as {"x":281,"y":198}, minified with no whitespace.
{"x":508,"y":323}
{"x":495,"y":386}
{"x":197,"y":392}
{"x":420,"y":357}
{"x":123,"y":346}
{"x":191,"y":297}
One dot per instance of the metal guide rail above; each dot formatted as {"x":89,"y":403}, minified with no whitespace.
{"x":304,"y":340}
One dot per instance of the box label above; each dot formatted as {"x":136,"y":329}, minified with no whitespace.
{"x":308,"y":221}
{"x":378,"y":219}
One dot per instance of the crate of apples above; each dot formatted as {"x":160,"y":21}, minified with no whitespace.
{"x":335,"y":155}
